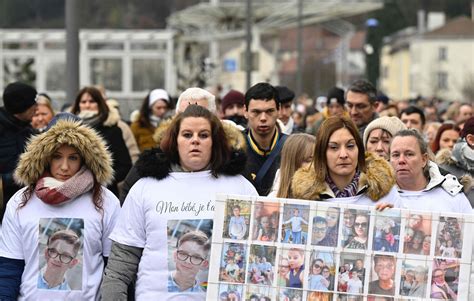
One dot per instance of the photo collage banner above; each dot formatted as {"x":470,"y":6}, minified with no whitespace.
{"x":284,"y":249}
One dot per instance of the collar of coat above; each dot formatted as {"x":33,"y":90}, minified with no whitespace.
{"x":376,"y":182}
{"x":154,"y":163}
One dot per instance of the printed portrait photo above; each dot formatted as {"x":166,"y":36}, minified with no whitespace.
{"x":60,"y":253}
{"x":413,"y":278}
{"x":325,"y":227}
{"x":260,"y":293}
{"x":387,"y":231}
{"x":232,"y":268}
{"x":351,"y":273}
{"x":449,"y":237}
{"x":189,"y":245}
{"x":319,"y":296}
{"x":237,"y":219}
{"x":445,"y":279}
{"x":356,"y":237}
{"x":285,"y":294}
{"x":295,"y":224}
{"x":417,"y":237}
{"x":295,"y":257}
{"x":265,"y":218}
{"x":261,"y":266}
{"x":382,"y":280}
{"x":321,"y":271}
{"x":230,"y":292}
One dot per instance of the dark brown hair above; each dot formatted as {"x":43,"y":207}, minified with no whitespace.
{"x":221,"y":150}
{"x":146,"y":111}
{"x":328,"y":127}
{"x":97,"y":97}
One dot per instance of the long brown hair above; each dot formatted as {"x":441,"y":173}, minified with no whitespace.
{"x":221,"y":150}
{"x":296,"y":149}
{"x":328,"y":127}
{"x":97,"y":97}
{"x":444,"y":127}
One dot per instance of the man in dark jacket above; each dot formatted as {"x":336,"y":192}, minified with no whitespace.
{"x":15,"y":116}
{"x":264,"y":138}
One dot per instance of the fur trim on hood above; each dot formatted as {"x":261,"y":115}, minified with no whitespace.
{"x":154,"y":163}
{"x":93,"y":150}
{"x":376,"y":182}
{"x":113,"y":117}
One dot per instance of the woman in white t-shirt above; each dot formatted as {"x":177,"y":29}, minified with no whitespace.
{"x":64,"y":170}
{"x":175,"y":196}
{"x":421,"y":185}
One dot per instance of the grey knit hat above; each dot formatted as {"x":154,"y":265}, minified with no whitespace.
{"x":390,"y":124}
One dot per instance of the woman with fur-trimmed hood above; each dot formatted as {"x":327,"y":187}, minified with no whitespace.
{"x":64,"y":170}
{"x":169,"y":211}
{"x":342,"y":172}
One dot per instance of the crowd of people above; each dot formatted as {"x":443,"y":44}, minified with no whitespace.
{"x":128,"y":179}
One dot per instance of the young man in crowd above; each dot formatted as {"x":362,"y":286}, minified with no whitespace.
{"x":264,"y":137}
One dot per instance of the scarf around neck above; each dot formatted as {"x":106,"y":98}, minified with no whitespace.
{"x":349,"y":190}
{"x":55,"y":192}
{"x":91,"y":118}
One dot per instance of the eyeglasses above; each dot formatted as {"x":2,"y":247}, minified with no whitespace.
{"x":319,"y":230}
{"x":360,"y":225}
{"x":195,"y":260}
{"x":64,"y":258}
{"x":316,"y":266}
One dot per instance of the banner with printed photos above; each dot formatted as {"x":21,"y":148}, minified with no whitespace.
{"x":283,"y":249}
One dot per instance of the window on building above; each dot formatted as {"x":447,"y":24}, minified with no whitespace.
{"x":442,"y":54}
{"x":148,"y":74}
{"x":442,"y":80}
{"x":107,"y":72}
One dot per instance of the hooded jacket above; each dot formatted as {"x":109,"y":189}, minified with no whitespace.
{"x":19,"y":269}
{"x":375,"y":183}
{"x":34,"y":161}
{"x":154,"y":163}
{"x":460,"y":163}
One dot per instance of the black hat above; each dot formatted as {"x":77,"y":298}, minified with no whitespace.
{"x":19,"y":97}
{"x":336,"y":95}
{"x":285,"y":94}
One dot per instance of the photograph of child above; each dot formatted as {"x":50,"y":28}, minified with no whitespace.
{"x":232,"y":267}
{"x":383,"y":275}
{"x":230,"y":292}
{"x":325,"y":227}
{"x":449,"y":237}
{"x":417,"y":237}
{"x":347,"y":225}
{"x":189,"y":245}
{"x":265,"y":223}
{"x":321,"y":271}
{"x":261,"y":265}
{"x":295,"y":223}
{"x":286,"y":294}
{"x":445,"y":279}
{"x":387,"y":231}
{"x":260,"y":293}
{"x":61,"y":254}
{"x":351,"y":273}
{"x":360,"y":231}
{"x":319,"y":296}
{"x":295,"y":257}
{"x":413,"y":280}
{"x":237,"y":213}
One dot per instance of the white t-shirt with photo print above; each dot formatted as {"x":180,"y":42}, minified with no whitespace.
{"x":21,"y":240}
{"x":149,"y":206}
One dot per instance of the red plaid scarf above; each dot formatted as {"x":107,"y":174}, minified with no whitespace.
{"x":55,"y":192}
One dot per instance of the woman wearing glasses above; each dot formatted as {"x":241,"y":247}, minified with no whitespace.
{"x":179,"y":183}
{"x":360,"y":230}
{"x":341,"y":171}
{"x":64,"y":170}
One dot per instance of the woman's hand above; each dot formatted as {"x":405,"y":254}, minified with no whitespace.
{"x":383,"y":206}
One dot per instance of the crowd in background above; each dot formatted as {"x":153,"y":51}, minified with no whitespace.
{"x":354,"y":145}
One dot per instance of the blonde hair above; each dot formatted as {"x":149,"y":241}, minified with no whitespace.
{"x":44,"y":100}
{"x":297,"y":148}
